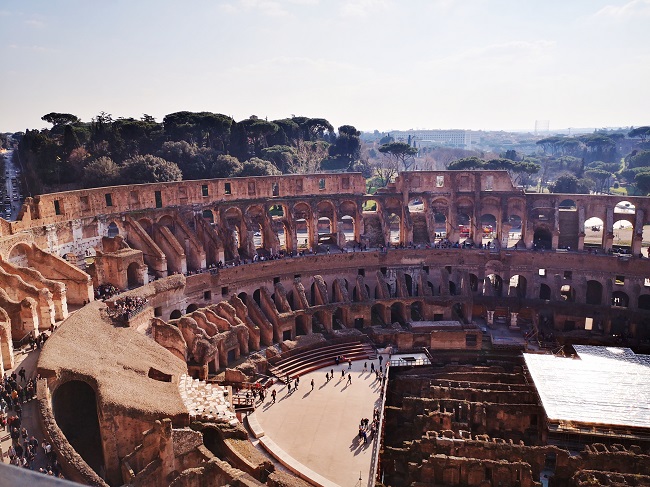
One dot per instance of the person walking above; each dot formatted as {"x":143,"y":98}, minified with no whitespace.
{"x":342,"y":373}
{"x":273,"y":394}
{"x":349,"y":363}
{"x":349,"y":379}
{"x":312,"y":384}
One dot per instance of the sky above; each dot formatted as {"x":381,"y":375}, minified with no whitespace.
{"x":374,"y":64}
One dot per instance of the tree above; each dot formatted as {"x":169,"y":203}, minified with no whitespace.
{"x":258,"y":167}
{"x":309,"y":156}
{"x":282,"y":156}
{"x":58,"y":119}
{"x":225,"y":166}
{"x":638,"y":159}
{"x":149,"y":169}
{"x":101,"y":172}
{"x":466,"y":163}
{"x":347,"y":145}
{"x":400,"y":152}
{"x":570,"y":184}
{"x":642,"y":132}
{"x":642,"y":181}
{"x":600,"y":177}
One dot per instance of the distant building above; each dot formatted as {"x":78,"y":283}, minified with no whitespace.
{"x":461,"y":139}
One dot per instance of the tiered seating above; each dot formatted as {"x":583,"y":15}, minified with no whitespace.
{"x":303,"y":362}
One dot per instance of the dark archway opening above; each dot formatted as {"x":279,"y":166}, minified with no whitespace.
{"x":397,"y":313}
{"x":544,"y":292}
{"x":416,"y":311}
{"x":176,"y":314}
{"x":113,"y":231}
{"x":594,"y":293}
{"x":542,"y":239}
{"x":75,"y":411}
{"x":192,"y":307}
{"x":644,"y":301}
{"x":133,"y":279}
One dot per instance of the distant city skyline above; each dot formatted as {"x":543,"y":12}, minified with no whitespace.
{"x":375,"y":64}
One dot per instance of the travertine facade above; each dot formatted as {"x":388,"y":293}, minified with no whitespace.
{"x":168,"y":243}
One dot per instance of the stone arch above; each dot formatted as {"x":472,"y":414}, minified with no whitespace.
{"x":624,"y":207}
{"x":417,"y":311}
{"x":303,"y":324}
{"x":465,"y":227}
{"x":19,"y":254}
{"x":517,"y":286}
{"x":167,"y":220}
{"x":488,"y":228}
{"x":544,"y":292}
{"x":473,"y":283}
{"x":594,"y":231}
{"x":623,"y":230}
{"x":302,"y":217}
{"x":192,"y":308}
{"x":620,"y":299}
{"x":398,"y":313}
{"x":133,"y":275}
{"x":146,"y":224}
{"x":377,"y":314}
{"x":176,"y":314}
{"x":542,"y":238}
{"x":233,"y":223}
{"x":514,"y":226}
{"x":394,"y":226}
{"x":644,"y":301}
{"x":594,"y":294}
{"x":493,"y":285}
{"x":113,"y":230}
{"x":568,"y":293}
{"x":74,"y":404}
{"x":208,"y":215}
{"x":568,"y":205}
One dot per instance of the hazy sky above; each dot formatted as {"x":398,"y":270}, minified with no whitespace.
{"x":375,"y":64}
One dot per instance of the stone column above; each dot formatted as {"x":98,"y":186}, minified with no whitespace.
{"x":581,"y":228}
{"x":637,"y":236}
{"x":490,"y":317}
{"x":513,"y":321}
{"x":608,"y":231}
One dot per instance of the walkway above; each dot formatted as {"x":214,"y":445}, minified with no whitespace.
{"x":320,"y":429}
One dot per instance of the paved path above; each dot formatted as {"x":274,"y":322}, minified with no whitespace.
{"x":320,"y":428}
{"x":30,"y":409}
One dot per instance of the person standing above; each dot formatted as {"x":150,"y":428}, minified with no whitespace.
{"x":312,"y":384}
{"x":273,"y":394}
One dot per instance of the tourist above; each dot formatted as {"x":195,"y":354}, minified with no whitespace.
{"x":273,"y":394}
{"x":312,"y":384}
{"x":349,"y":379}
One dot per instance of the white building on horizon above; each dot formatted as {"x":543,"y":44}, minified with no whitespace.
{"x":461,"y":139}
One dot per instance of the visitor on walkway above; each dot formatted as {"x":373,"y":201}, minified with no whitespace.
{"x":312,"y":384}
{"x":349,"y":364}
{"x":350,"y":379}
{"x":273,"y":394}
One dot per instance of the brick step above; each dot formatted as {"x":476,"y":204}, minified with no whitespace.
{"x":333,"y":350}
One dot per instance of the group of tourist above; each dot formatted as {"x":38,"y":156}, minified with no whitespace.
{"x":367,"y":428}
{"x":106,"y":291}
{"x":127,"y":306}
{"x":17,"y":389}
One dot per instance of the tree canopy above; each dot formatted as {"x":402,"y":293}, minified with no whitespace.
{"x":401,"y":152}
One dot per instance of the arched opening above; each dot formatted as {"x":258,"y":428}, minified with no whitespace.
{"x":594,"y":293}
{"x":544,"y":292}
{"x":19,"y":255}
{"x":620,"y":299}
{"x":191,"y":308}
{"x":568,"y":205}
{"x":514,"y":230}
{"x":377,"y":313}
{"x":133,"y":275}
{"x":623,"y":230}
{"x":208,"y":215}
{"x":594,"y":231}
{"x":625,"y":208}
{"x":281,"y":233}
{"x":346,"y":226}
{"x":542,"y":239}
{"x":113,"y":231}
{"x":493,"y":286}
{"x":440,"y":224}
{"x":174,"y":315}
{"x":302,"y":234}
{"x":303,"y":325}
{"x":409,"y":284}
{"x":473,"y":283}
{"x":398,"y":313}
{"x":416,"y":205}
{"x":338,"y":320}
{"x":258,"y":236}
{"x":488,"y":228}
{"x":464,"y":227}
{"x":325,"y":235}
{"x":452,"y":288}
{"x":394,"y":228}
{"x":74,"y":404}
{"x":416,"y":311}
{"x":257,"y":297}
{"x":517,"y":287}
{"x":567,"y":293}
{"x":370,"y":206}
{"x":644,"y":301}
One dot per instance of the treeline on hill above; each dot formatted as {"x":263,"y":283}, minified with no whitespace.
{"x":186,"y":145}
{"x":597,"y":162}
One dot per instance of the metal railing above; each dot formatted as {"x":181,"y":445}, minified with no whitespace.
{"x":375,"y":472}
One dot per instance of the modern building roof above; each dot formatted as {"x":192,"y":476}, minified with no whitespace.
{"x":601,"y":387}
